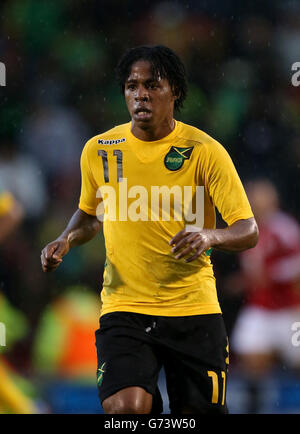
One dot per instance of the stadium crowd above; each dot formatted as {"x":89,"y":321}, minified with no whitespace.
{"x":60,"y":91}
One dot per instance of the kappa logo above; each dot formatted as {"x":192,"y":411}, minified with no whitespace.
{"x":176,"y":156}
{"x":100,"y":374}
{"x":111,"y":142}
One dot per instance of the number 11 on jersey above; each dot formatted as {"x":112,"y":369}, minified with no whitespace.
{"x":117,"y":153}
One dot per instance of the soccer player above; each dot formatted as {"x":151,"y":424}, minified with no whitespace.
{"x":269,"y":275}
{"x":159,"y":300}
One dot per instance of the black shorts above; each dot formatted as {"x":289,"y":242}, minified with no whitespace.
{"x":132,"y":348}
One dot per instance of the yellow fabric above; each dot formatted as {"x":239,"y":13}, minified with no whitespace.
{"x":6,"y":203}
{"x":141,"y":274}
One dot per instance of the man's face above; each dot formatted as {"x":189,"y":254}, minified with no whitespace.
{"x":150,"y":100}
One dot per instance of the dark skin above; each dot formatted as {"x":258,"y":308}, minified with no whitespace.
{"x":150,"y":101}
{"x":241,"y":235}
{"x":143,"y":91}
{"x":81,"y":228}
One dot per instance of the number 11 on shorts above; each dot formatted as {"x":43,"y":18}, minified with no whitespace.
{"x":215,"y":386}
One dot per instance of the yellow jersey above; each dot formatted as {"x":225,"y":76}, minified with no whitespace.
{"x":147,"y":191}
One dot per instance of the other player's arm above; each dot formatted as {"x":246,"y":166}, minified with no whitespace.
{"x":81,"y":228}
{"x":241,"y":235}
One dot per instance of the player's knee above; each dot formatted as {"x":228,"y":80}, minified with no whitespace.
{"x":122,"y":407}
{"x":126,"y":405}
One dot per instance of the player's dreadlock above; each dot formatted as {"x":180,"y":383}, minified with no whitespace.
{"x":164,"y":62}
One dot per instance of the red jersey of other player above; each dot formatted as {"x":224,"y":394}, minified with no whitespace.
{"x":272,"y":268}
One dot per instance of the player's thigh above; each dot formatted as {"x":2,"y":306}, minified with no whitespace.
{"x":196,"y":366}
{"x":125,"y":357}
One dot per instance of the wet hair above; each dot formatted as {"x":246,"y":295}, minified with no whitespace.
{"x":164,"y":63}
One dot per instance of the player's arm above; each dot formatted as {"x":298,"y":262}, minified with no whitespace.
{"x":81,"y":228}
{"x":84,"y":224}
{"x":227,"y":194}
{"x":241,"y":235}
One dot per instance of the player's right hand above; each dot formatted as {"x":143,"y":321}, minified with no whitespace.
{"x":51,"y":256}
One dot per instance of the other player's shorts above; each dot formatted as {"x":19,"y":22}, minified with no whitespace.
{"x":260,"y":331}
{"x":132,"y":348}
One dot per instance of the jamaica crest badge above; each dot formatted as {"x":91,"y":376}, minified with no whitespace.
{"x":175,"y":158}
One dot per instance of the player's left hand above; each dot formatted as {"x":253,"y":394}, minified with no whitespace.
{"x":191,"y":242}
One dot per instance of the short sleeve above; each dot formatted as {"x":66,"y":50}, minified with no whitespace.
{"x":224,"y":185}
{"x":88,"y":201}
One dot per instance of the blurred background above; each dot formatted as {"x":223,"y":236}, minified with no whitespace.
{"x":60,"y":91}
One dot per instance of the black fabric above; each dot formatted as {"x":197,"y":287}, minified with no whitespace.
{"x":192,"y":349}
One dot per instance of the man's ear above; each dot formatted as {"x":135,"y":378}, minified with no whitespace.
{"x":176,"y":94}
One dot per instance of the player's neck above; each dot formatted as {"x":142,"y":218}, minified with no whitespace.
{"x":151,"y":133}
